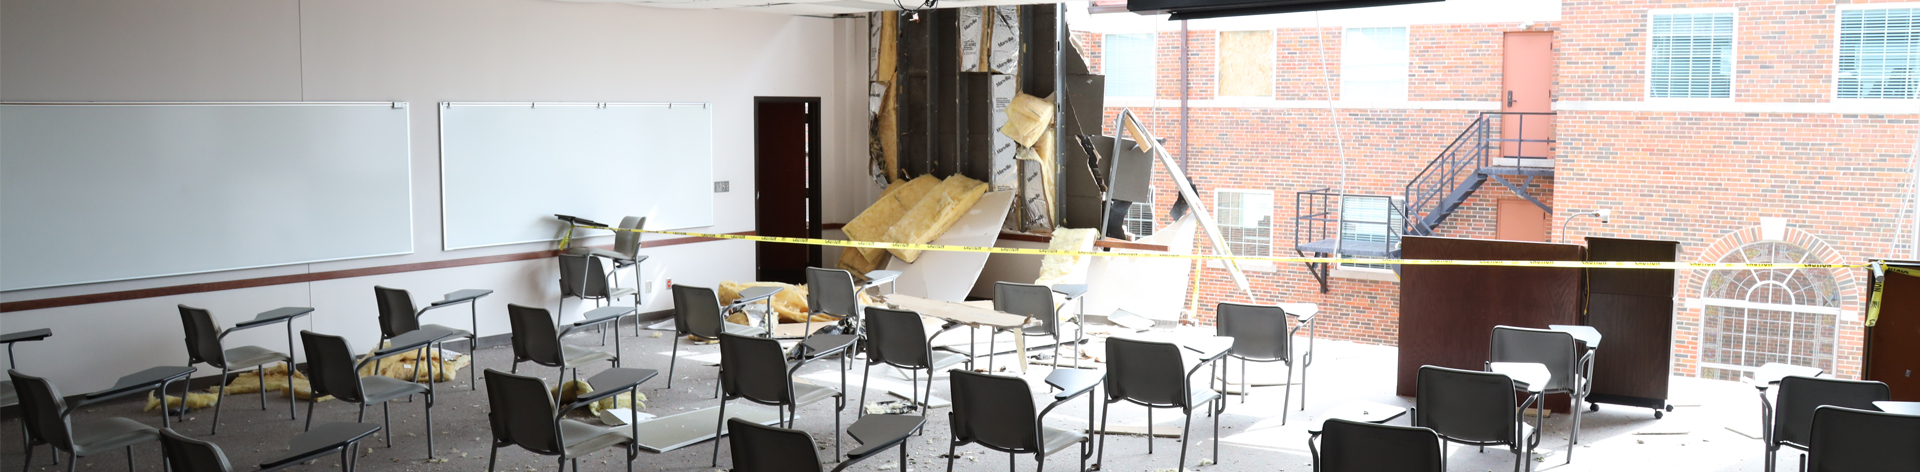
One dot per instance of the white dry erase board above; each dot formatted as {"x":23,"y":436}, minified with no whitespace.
{"x":507,"y":168}
{"x":94,"y":192}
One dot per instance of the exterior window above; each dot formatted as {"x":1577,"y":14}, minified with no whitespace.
{"x":1692,"y":56}
{"x":1373,"y":64}
{"x":1879,"y":50}
{"x":1371,"y":223}
{"x":1246,"y":64}
{"x":1128,"y":60}
{"x":1246,"y":221}
{"x":1140,"y":216}
{"x":1753,"y":317}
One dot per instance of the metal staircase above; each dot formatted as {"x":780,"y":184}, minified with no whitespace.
{"x":1476,"y":156}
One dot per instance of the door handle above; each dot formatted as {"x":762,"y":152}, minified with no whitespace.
{"x":1509,"y":99}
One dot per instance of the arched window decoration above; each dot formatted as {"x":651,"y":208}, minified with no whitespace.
{"x":1757,"y":316}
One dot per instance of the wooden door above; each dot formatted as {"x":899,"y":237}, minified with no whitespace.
{"x":1892,"y":351}
{"x":1519,"y":220}
{"x":786,"y":172}
{"x":1526,"y":82}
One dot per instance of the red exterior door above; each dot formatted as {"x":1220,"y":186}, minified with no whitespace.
{"x":1519,"y":220}
{"x":1526,"y":75}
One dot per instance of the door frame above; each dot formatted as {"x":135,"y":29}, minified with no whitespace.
{"x":814,"y":258}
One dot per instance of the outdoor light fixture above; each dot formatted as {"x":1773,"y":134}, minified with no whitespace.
{"x":1604,"y":215}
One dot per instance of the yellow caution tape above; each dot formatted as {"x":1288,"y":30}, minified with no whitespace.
{"x":1313,"y":260}
{"x":1880,"y":271}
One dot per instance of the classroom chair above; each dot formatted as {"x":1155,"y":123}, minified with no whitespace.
{"x":625,"y":253}
{"x":398,"y":316}
{"x":1799,"y":398}
{"x":186,"y":454}
{"x":522,"y":413}
{"x":1353,"y":446}
{"x":1572,"y":368}
{"x":756,"y":369}
{"x":206,"y":343}
{"x":1151,"y":374}
{"x":697,"y":313}
{"x":762,"y":448}
{"x":47,"y":417}
{"x":898,"y":338}
{"x":583,"y":277}
{"x":997,"y":412}
{"x":1476,"y":408}
{"x":1260,"y":334}
{"x":1852,"y":440}
{"x":535,"y":339}
{"x":831,"y":292}
{"x":334,"y":372}
{"x":1035,"y":301}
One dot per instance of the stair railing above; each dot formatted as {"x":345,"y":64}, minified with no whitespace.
{"x":1461,"y":158}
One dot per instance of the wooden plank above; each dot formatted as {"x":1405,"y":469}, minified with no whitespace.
{"x":956,"y":312}
{"x":92,"y":298}
{"x":1447,"y":313}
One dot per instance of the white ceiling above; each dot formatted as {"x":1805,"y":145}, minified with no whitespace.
{"x":808,"y":7}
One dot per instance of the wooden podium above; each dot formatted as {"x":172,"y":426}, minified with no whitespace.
{"x":1893,"y":344}
{"x":1447,"y":313}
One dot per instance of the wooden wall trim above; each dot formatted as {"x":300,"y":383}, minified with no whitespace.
{"x":136,"y":294}
{"x":1106,"y":243}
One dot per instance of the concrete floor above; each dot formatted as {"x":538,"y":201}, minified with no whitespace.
{"x":1694,"y":437}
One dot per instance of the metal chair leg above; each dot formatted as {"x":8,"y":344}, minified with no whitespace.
{"x":1186,"y":436}
{"x":216,"y":405}
{"x":722,"y":422}
{"x":293,"y":413}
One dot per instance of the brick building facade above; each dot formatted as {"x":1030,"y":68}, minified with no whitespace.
{"x":1773,"y":162}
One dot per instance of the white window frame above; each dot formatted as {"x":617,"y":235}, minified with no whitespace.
{"x":1152,"y":225}
{"x":1834,"y":93}
{"x":1273,"y":73}
{"x":1733,"y":78}
{"x":1344,"y":271}
{"x":1271,"y":214}
{"x":1153,"y":57}
{"x":1406,"y":66}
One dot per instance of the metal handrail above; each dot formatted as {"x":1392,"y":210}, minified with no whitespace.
{"x":1474,"y":148}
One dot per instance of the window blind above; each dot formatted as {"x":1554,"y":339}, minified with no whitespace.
{"x":1879,"y":50}
{"x":1692,"y":56}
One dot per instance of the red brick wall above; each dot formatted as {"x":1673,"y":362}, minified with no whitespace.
{"x":1699,"y":177}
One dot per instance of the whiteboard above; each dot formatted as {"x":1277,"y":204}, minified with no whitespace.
{"x":94,"y":192}
{"x":507,"y":168}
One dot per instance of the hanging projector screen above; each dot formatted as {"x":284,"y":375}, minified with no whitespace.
{"x":507,"y":168}
{"x":94,"y":192}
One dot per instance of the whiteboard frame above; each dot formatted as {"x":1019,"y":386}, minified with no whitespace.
{"x":412,"y":229}
{"x":442,"y":113}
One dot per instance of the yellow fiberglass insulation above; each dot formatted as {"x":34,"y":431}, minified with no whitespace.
{"x":566,"y":392}
{"x":790,"y":303}
{"x":1057,"y":268}
{"x":872,"y":224}
{"x":934,"y":214}
{"x":1027,"y":117}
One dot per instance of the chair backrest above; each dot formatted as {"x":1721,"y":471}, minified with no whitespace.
{"x":1027,"y":300}
{"x":761,"y":448}
{"x":1351,"y":446}
{"x":522,"y":406}
{"x":192,"y":455}
{"x":897,"y":337}
{"x":582,"y":276}
{"x":534,"y":336}
{"x":1852,"y":440}
{"x":754,"y":368}
{"x":1800,"y":396}
{"x":993,"y":410}
{"x":696,"y":311}
{"x":41,"y":406}
{"x":628,"y":242}
{"x":1146,"y":372}
{"x":1259,"y":332}
{"x":396,"y":311}
{"x":1465,"y":405}
{"x":203,"y":336}
{"x":831,"y":291}
{"x":330,"y":366}
{"x":1555,"y":349}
